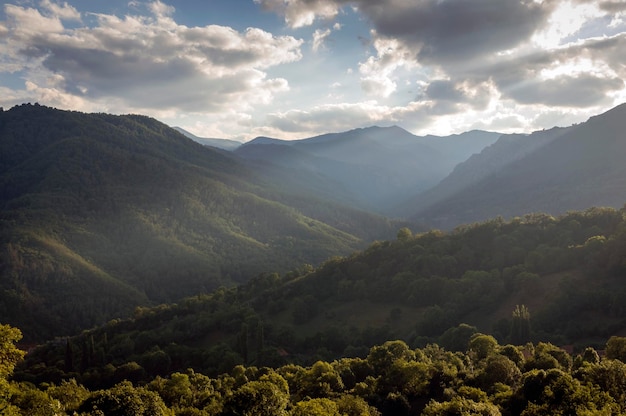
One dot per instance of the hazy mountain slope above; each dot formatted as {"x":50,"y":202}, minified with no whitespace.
{"x":508,"y":148}
{"x":458,"y":147}
{"x":580,"y":168}
{"x":298,"y":171}
{"x":375,"y":166}
{"x":107,"y":202}
{"x":301,"y":171}
{"x":219,"y":143}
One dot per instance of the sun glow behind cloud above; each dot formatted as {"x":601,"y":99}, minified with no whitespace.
{"x":566,"y":20}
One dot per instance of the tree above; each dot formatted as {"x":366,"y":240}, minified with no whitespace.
{"x":33,"y":402}
{"x":321,"y":380}
{"x":404,"y":234}
{"x":499,"y":369}
{"x":460,"y":406}
{"x":482,"y":345}
{"x":124,"y":400}
{"x":457,"y":338}
{"x":257,"y":398}
{"x":616,"y":348}
{"x":381,"y":357}
{"x":10,"y":355}
{"x":350,"y":405}
{"x":520,"y":328}
{"x":69,"y":394}
{"x":316,"y":407}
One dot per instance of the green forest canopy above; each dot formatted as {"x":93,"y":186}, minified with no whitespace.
{"x":392,"y":379}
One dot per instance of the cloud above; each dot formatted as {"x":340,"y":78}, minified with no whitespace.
{"x":299,"y":123}
{"x":455,"y":31}
{"x":64,"y":11}
{"x":566,"y":91}
{"x":579,"y":74}
{"x":503,"y":45}
{"x":299,"y":13}
{"x":377,"y":72}
{"x":319,"y":36}
{"x":613,"y":6}
{"x":437,"y":31}
{"x":146,"y":62}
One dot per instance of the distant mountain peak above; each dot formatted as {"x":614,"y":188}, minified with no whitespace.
{"x":225,"y":144}
{"x":265,"y":140}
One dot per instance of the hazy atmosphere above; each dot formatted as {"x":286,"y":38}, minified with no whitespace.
{"x":295,"y":68}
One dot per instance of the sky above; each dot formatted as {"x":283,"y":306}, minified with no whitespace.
{"x":291,"y":69}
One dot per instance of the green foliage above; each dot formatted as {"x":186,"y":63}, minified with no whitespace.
{"x":404,"y":234}
{"x":520,"y":329}
{"x":124,"y":400}
{"x":316,"y":407}
{"x":457,"y":338}
{"x":261,"y":398}
{"x":394,"y":379}
{"x":418,"y":291}
{"x":10,"y":355}
{"x":616,"y":348}
{"x":482,"y":346}
{"x":461,"y":407}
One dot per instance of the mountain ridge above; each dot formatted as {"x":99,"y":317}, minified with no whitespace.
{"x":376,"y":166}
{"x":129,"y":201}
{"x":578,"y":167}
{"x":225,"y":144}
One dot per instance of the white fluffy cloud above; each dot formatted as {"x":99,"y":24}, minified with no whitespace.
{"x":377,"y":72}
{"x":143,"y":62}
{"x":319,"y":36}
{"x":344,"y":116}
{"x":301,"y":13}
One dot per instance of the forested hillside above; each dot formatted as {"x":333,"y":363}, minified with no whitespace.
{"x":224,"y":144}
{"x":536,"y":278}
{"x":499,"y":299}
{"x":102,"y":213}
{"x":550,"y":171}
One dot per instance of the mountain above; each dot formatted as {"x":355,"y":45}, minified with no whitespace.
{"x":372,"y":168}
{"x":101,"y":213}
{"x":550,"y":171}
{"x":224,"y":144}
{"x":506,"y":150}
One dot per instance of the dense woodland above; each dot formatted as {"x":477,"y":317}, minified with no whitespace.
{"x":539,"y":286}
{"x":391,"y":379}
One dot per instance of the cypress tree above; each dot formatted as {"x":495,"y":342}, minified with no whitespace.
{"x":69,"y":357}
{"x":520,"y":327}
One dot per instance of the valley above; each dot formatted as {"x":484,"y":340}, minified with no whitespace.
{"x":132,"y":252}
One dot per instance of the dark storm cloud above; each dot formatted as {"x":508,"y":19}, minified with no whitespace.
{"x":440,"y":31}
{"x":566,"y":91}
{"x":613,"y":6}
{"x":445,"y":90}
{"x":456,"y":30}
